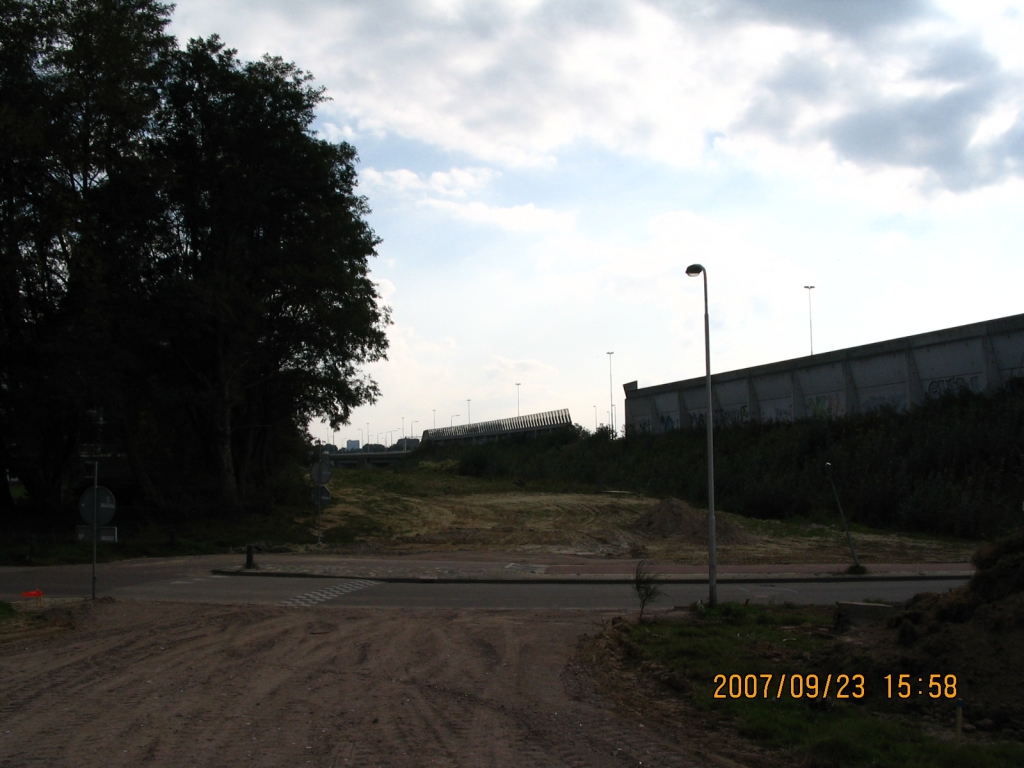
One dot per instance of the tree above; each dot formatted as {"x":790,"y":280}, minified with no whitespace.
{"x":267,"y":300}
{"x":178,"y":249}
{"x":78,"y":87}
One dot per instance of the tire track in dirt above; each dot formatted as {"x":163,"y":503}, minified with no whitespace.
{"x":175,"y":685}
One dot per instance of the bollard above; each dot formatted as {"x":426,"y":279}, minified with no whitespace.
{"x":248,"y":557}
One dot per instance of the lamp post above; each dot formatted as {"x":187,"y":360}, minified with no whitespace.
{"x":595,"y":419}
{"x":412,"y":429}
{"x":517,"y":397}
{"x":469,"y":414}
{"x":693,"y":270}
{"x":454,"y":417}
{"x":435,"y":418}
{"x":360,"y":436}
{"x":810,"y":317}
{"x":611,"y":395}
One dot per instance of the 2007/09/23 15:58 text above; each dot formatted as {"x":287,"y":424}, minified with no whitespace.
{"x":842,"y":686}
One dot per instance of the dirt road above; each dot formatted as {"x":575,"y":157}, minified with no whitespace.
{"x":199,"y":685}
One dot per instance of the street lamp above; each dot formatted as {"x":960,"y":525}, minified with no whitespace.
{"x":435,"y":418}
{"x":412,"y":429}
{"x":517,"y":398}
{"x":810,"y":317}
{"x":611,"y":395}
{"x":693,"y":270}
{"x":454,"y":417}
{"x":469,"y":414}
{"x":595,"y":419}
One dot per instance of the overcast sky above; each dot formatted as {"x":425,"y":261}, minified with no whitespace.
{"x":542,"y":172}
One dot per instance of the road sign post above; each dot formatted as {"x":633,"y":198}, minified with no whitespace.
{"x":97,"y":506}
{"x":320,"y":474}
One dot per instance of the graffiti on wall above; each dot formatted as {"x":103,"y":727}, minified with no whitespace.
{"x":952,"y":385}
{"x":826,"y":406}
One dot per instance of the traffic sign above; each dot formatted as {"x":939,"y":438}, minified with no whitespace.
{"x":320,"y":473}
{"x":320,"y":495}
{"x":104,"y":509}
{"x":105,"y":534}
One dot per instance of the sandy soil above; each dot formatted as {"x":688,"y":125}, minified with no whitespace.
{"x":596,"y":525}
{"x":191,"y":685}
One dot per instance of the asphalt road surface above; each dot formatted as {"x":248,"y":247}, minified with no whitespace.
{"x":185,"y":580}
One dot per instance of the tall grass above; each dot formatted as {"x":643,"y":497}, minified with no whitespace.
{"x":952,"y":466}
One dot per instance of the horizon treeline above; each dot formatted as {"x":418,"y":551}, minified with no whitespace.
{"x":183,"y":263}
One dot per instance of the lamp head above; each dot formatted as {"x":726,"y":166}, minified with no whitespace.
{"x":694,"y":269}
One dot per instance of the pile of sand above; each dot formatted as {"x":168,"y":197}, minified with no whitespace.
{"x":677,"y":519}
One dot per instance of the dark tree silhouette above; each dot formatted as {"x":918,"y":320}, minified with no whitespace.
{"x":178,"y":250}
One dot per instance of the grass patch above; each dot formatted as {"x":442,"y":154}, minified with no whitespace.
{"x":7,"y":612}
{"x":418,"y":478}
{"x":355,"y":527}
{"x":776,"y":640}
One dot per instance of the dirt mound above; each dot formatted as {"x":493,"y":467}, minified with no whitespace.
{"x":971,"y":632}
{"x":677,"y":519}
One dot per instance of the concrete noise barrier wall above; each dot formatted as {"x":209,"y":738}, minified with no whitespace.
{"x":899,"y":373}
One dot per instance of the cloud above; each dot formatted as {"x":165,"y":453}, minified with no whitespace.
{"x":503,"y":369}
{"x":943,"y":106}
{"x":859,"y":19}
{"x":457,"y":182}
{"x":884,"y":84}
{"x":517,"y":218}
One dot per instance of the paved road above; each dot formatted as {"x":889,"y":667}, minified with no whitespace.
{"x":190,"y":580}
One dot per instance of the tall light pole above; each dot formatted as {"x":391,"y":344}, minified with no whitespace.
{"x":595,"y":419}
{"x":693,"y":270}
{"x":611,"y":395}
{"x":435,"y":418}
{"x":517,"y":397}
{"x":403,"y":427}
{"x":469,"y":414}
{"x":412,"y":429}
{"x":810,"y":317}
{"x":360,"y":436}
{"x":454,"y":417}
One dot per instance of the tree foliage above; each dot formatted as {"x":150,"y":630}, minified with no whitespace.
{"x":180,"y":252}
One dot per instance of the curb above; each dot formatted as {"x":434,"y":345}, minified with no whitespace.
{"x":956,"y":575}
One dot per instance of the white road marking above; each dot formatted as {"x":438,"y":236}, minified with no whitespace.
{"x":327,"y":593}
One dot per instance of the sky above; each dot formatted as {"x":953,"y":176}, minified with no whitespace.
{"x":542,"y":172}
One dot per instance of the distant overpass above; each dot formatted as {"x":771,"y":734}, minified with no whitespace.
{"x":532,"y":424}
{"x":899,"y":374}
